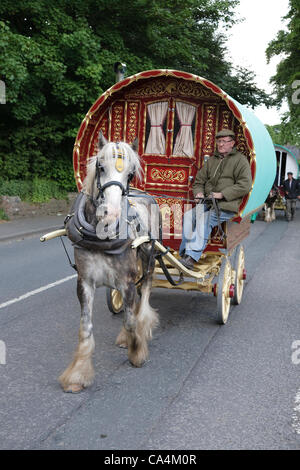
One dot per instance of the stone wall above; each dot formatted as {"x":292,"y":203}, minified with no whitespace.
{"x":15,"y":208}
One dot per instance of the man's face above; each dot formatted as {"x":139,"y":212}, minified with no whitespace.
{"x":225,"y":145}
{"x":290,"y":176}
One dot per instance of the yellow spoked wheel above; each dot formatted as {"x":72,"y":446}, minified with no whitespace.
{"x":239,"y":267}
{"x":114,"y":300}
{"x":223,"y":296}
{"x":114,"y":297}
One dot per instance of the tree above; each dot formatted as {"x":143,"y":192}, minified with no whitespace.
{"x":51,"y":76}
{"x":57,"y":58}
{"x":287,"y":78}
{"x":278,"y":133}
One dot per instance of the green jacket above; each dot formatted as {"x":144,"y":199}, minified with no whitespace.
{"x":229,"y":175}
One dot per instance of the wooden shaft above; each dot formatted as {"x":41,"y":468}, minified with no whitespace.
{"x":55,"y":234}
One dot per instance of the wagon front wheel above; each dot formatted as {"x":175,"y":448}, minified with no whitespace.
{"x":239,"y":267}
{"x":223,"y":296}
{"x":114,"y":300}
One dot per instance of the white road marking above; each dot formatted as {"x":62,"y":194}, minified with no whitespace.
{"x":296,"y":414}
{"x":36,"y":291}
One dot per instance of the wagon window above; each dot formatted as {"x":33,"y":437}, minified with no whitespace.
{"x":156,"y":144}
{"x":184,"y":143}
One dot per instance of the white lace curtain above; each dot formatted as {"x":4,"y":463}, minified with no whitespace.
{"x":184,"y":144}
{"x":156,"y":142}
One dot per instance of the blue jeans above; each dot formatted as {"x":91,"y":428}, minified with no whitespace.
{"x":197,"y":226}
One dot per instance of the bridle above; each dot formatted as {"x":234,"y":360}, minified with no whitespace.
{"x":120,"y":156}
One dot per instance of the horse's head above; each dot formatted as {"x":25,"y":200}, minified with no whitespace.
{"x":108,"y":176}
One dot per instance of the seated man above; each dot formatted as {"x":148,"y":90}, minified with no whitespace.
{"x":227,"y":177}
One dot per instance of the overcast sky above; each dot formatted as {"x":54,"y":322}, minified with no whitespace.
{"x":248,"y":41}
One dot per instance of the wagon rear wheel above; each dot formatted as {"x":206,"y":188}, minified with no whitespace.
{"x":114,"y":300}
{"x":223,"y":296}
{"x":239,"y":267}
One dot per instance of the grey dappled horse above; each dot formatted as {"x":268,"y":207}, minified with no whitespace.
{"x":104,"y":205}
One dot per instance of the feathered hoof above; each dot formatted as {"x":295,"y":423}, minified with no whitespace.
{"x":137,"y":364}
{"x":74,"y":388}
{"x":75,"y":379}
{"x":137,"y":358}
{"x":121,"y":340}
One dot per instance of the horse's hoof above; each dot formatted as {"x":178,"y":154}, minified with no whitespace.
{"x":73,"y":388}
{"x":137,"y":363}
{"x":123,"y":345}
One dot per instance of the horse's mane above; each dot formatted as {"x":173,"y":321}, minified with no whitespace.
{"x":105,"y":156}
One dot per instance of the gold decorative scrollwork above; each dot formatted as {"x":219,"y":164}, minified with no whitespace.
{"x":172,"y":212}
{"x":168,"y":175}
{"x":242,"y":144}
{"x":132,"y":121}
{"x":208,"y":146}
{"x":117,"y":123}
{"x":104,"y":126}
{"x":226,"y":119}
{"x":194,"y":89}
{"x":171,"y":87}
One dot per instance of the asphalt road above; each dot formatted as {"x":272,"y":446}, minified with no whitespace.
{"x":205,"y":386}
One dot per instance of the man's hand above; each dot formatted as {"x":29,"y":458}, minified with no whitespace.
{"x":218,"y":195}
{"x":199,"y":196}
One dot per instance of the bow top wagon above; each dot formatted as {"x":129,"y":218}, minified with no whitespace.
{"x":175,"y":117}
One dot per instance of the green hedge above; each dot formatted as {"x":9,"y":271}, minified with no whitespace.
{"x":3,"y":215}
{"x":38,"y":190}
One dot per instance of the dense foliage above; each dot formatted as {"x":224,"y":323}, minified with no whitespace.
{"x":287,"y":78}
{"x":57,"y":58}
{"x":34,"y":190}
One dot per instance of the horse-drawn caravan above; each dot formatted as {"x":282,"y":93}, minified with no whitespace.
{"x":286,"y":162}
{"x":170,"y":120}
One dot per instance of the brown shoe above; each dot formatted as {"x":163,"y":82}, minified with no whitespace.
{"x":188,"y":262}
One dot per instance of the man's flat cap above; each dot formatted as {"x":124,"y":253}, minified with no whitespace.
{"x":225,"y":133}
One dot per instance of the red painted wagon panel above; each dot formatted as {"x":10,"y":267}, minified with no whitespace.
{"x":170,"y":105}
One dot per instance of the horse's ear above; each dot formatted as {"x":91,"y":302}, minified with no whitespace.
{"x":102,"y":141}
{"x":135,"y":145}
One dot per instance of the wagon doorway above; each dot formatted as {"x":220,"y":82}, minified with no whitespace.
{"x":286,"y":162}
